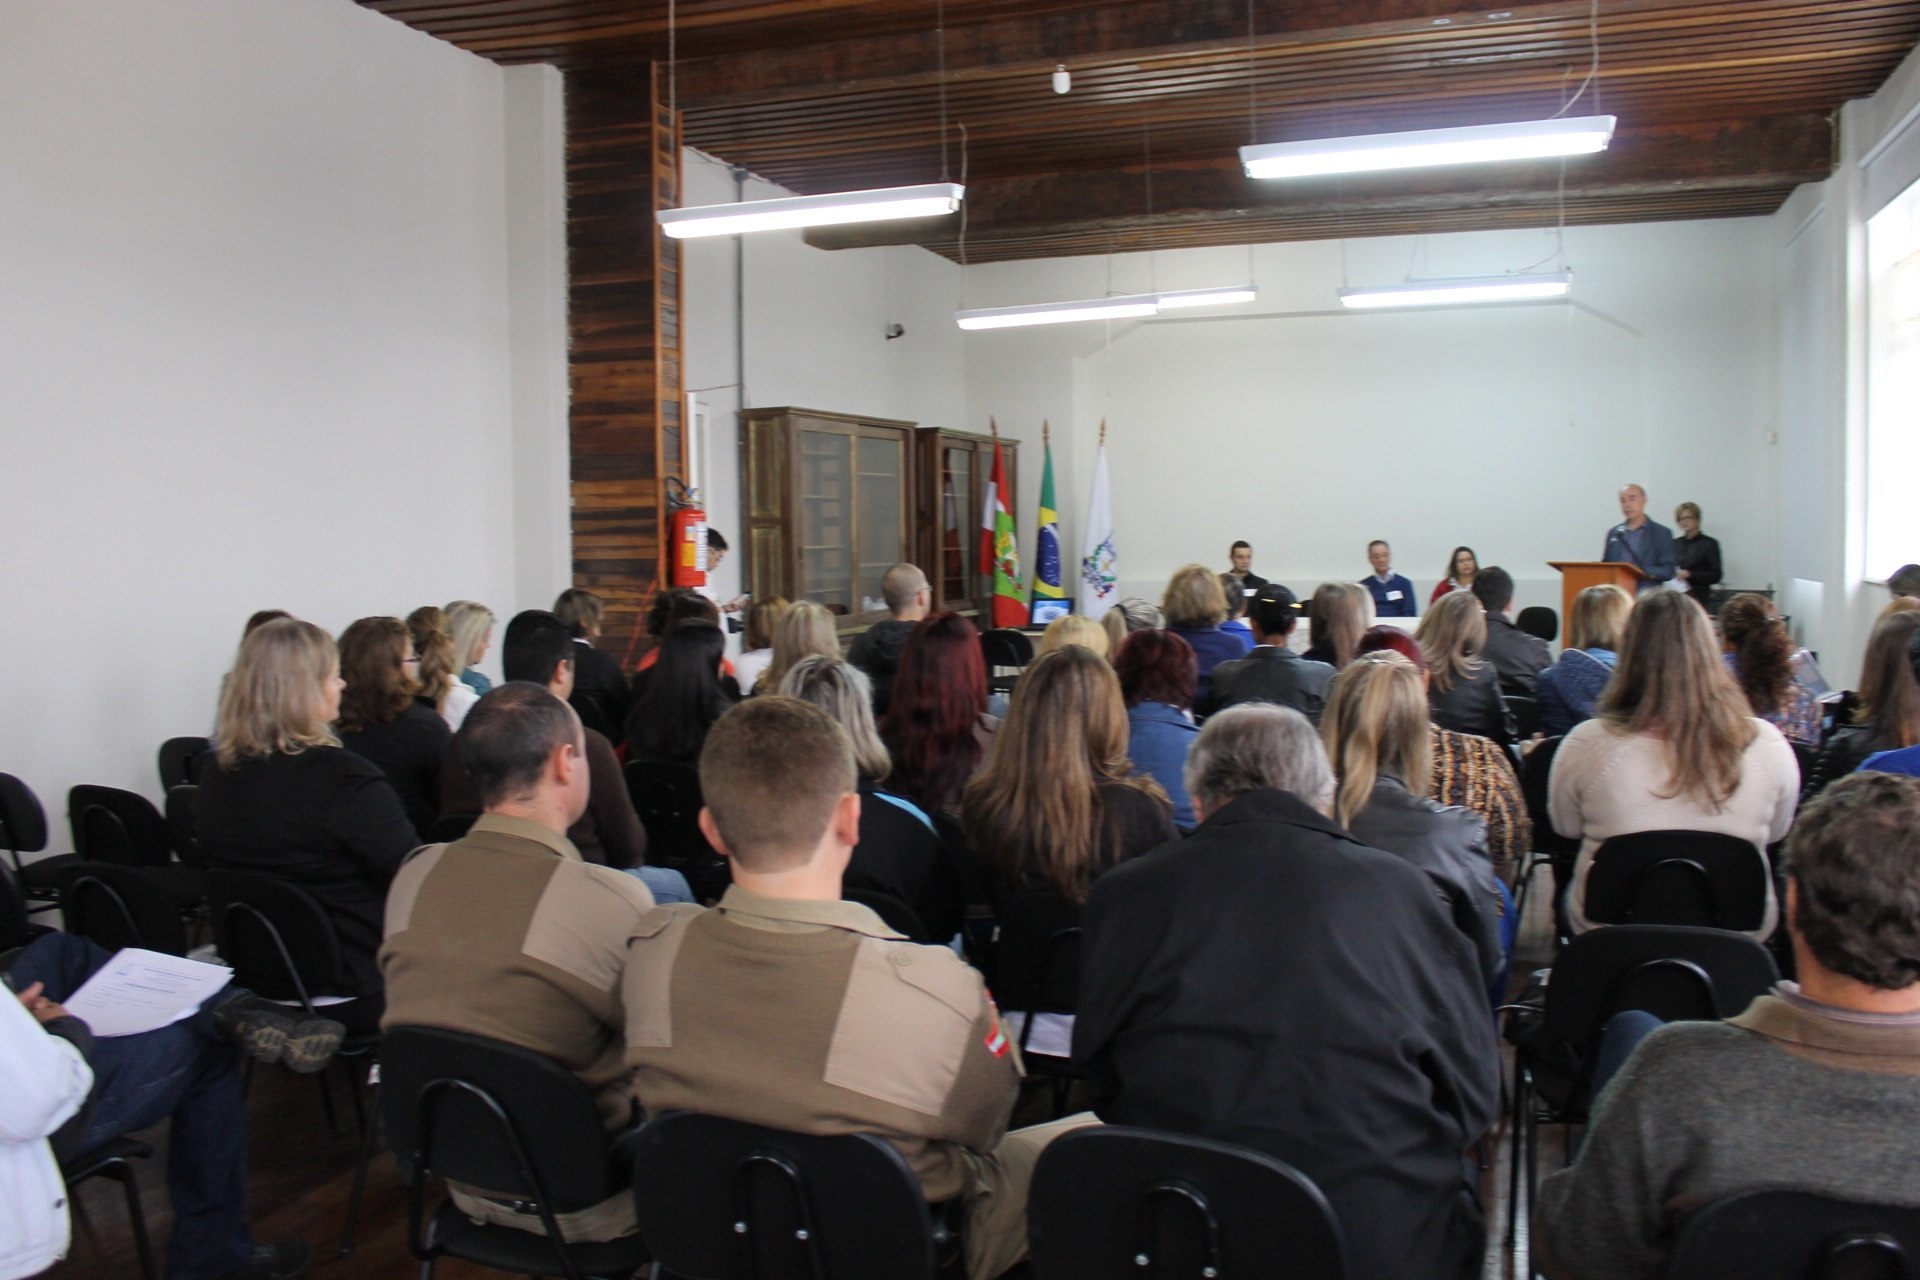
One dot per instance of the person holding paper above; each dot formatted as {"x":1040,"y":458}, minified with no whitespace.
{"x":68,"y":1092}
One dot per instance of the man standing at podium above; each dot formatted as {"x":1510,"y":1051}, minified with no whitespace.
{"x":1643,"y":543}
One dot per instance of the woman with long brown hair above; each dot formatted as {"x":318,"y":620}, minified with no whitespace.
{"x":1057,"y":804}
{"x":1673,"y":746}
{"x":1463,"y":691}
{"x":1462,"y":565}
{"x":1760,"y":656}
{"x":937,"y":728}
{"x":1376,"y":732}
{"x":382,"y":719}
{"x":1888,"y":715}
{"x":1339,"y":614}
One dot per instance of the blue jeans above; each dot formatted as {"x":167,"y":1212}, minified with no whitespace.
{"x":1623,"y":1034}
{"x":187,"y":1071}
{"x":664,"y":883}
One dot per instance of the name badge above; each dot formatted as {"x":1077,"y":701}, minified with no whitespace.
{"x":1393,"y":595}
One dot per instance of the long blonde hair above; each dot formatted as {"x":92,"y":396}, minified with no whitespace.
{"x":1340,"y":613}
{"x":804,"y":630}
{"x":1670,"y":684}
{"x":1375,"y":723}
{"x":1599,"y":617}
{"x":1452,"y":632}
{"x":843,"y":691}
{"x":1073,"y":628}
{"x":271,"y":700}
{"x":1194,"y":599}
{"x":440,"y":666}
{"x":469,"y":624}
{"x":1034,"y":810}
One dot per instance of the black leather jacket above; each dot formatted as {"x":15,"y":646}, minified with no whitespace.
{"x":1450,"y":845}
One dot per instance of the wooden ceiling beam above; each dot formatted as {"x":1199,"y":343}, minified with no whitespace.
{"x":1767,"y":154}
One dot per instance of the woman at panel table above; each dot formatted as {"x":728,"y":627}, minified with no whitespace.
{"x":1698,"y":554}
{"x":1462,"y":565}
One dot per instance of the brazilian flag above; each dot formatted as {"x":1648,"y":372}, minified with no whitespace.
{"x":1046,"y":568}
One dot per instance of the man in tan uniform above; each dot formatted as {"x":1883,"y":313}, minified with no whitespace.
{"x":509,"y":934}
{"x":785,"y":1006}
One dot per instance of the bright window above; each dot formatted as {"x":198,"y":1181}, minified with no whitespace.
{"x":1893,"y":407}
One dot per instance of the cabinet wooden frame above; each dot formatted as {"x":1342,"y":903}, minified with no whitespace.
{"x":930,"y":522}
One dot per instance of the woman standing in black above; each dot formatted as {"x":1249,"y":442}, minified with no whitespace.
{"x":1698,"y":554}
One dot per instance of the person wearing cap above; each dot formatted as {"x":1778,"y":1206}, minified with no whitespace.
{"x":1392,"y":594}
{"x":1271,"y":672}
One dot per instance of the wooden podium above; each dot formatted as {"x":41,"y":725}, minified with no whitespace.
{"x":1577,"y":575}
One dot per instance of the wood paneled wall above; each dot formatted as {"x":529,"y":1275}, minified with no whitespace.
{"x":624,"y":304}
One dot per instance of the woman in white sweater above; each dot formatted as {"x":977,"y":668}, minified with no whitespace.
{"x":1672,"y":747}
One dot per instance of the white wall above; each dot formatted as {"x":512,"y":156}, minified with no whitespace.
{"x":258,"y":345}
{"x":1308,"y":430}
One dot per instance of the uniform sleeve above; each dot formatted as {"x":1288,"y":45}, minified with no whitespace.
{"x":622,"y":839}
{"x":370,"y":824}
{"x":976,"y":1113}
{"x":47,"y":1078}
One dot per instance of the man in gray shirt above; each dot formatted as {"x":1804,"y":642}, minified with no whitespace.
{"x":1815,"y":1087}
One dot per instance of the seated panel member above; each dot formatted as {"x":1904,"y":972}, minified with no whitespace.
{"x":1392,"y":594}
{"x":785,"y":1006}
{"x":1271,"y":981}
{"x":509,"y":934}
{"x":1815,"y":1087}
{"x":1242,"y":577}
{"x":1272,"y":672}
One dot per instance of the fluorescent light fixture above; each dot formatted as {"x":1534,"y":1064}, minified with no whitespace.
{"x":879,"y":205}
{"x":1422,"y":148}
{"x":1119,"y":308}
{"x":1220,"y":297}
{"x":1470,"y":289}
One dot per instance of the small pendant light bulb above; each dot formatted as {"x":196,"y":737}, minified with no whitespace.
{"x":1062,"y":79}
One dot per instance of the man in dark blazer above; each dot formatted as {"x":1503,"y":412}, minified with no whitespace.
{"x":1636,"y":540}
{"x":1270,"y":981}
{"x":1517,"y":658}
{"x":1271,"y":672}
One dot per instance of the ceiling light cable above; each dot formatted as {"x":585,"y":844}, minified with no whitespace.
{"x":940,"y":53}
{"x":1593,"y":66}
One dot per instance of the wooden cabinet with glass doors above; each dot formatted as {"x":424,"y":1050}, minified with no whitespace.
{"x":954,"y":468}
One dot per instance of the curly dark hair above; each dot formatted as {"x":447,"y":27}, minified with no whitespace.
{"x":1156,"y":666}
{"x":1855,"y":855}
{"x":1762,"y":654}
{"x":379,"y":687}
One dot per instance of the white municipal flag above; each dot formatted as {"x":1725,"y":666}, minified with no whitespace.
{"x":1099,"y":574}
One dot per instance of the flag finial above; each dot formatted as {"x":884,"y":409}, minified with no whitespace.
{"x":1045,"y":431}
{"x":993,"y":426}
{"x":1103,"y":431}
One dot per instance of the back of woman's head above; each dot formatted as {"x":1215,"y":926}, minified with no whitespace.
{"x":1073,"y":628}
{"x":272,"y":698}
{"x":1890,"y":681}
{"x":373,"y":653}
{"x":469,"y":624}
{"x":1194,"y":600}
{"x":1386,"y":639}
{"x":1451,"y":634}
{"x":1669,"y":683}
{"x":1338,"y":614}
{"x":439,"y":665}
{"x":843,"y":691}
{"x":1762,"y":655}
{"x":1156,"y":666}
{"x":1134,"y":613}
{"x":762,"y":618}
{"x":1599,"y":618}
{"x":1033,"y":811}
{"x":805,"y":630}
{"x":684,"y":695}
{"x":672,"y":607}
{"x":1376,"y":723}
{"x":581,"y":610}
{"x":939,"y":694}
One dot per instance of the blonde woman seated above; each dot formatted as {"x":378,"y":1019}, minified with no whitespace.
{"x":1463,"y":691}
{"x":1338,"y":614}
{"x":1567,"y":690}
{"x":471,"y":626}
{"x":1672,"y":746}
{"x":440,"y":666}
{"x":804,"y":630}
{"x":1135,"y":613}
{"x":1074,"y":628}
{"x":1057,"y":805}
{"x":1195,"y":606}
{"x":757,"y":643}
{"x":1375,"y":729}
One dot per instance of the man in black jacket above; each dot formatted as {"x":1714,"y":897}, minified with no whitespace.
{"x":1271,"y":672}
{"x":1517,"y":657}
{"x":877,"y":650}
{"x":1269,"y":981}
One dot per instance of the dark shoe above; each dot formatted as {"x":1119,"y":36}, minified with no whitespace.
{"x":273,"y":1033}
{"x":285,"y":1261}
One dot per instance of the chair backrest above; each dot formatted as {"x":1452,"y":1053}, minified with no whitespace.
{"x":277,"y":938}
{"x":894,"y":913}
{"x":449,"y":827}
{"x":1539,"y":620}
{"x":23,"y":823}
{"x":724,"y":1200}
{"x":900,"y":855}
{"x":183,"y":829}
{"x":1678,"y":877}
{"x":111,"y":825}
{"x":1038,"y":967}
{"x":13,"y":909}
{"x":118,"y":906}
{"x":1536,"y":771}
{"x":1792,"y":1235}
{"x":667,"y":798}
{"x":178,"y":760}
{"x":1005,"y":647}
{"x":1116,"y":1203}
{"x":1524,"y":712}
{"x":494,"y":1115}
{"x":1676,"y":973}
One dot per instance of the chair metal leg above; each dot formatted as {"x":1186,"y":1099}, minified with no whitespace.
{"x":370,"y":1123}
{"x":123,"y":1173}
{"x":326,"y":1104}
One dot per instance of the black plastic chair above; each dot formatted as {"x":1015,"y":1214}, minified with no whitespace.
{"x":1117,"y":1203}
{"x":179,"y":761}
{"x":16,"y":928}
{"x":666,"y":795}
{"x":1550,"y":848}
{"x":449,"y":827}
{"x":485,"y":1113}
{"x":893,"y":913}
{"x":1538,"y":620}
{"x":112,"y":825}
{"x":1525,"y":714}
{"x":901,"y":856}
{"x":1793,"y":1235}
{"x":1007,"y":651}
{"x":111,"y":1160}
{"x":723,"y":1200}
{"x":1038,"y":972}
{"x":1676,"y":973}
{"x":115,"y":907}
{"x":1678,"y":877}
{"x":23,"y":829}
{"x":183,"y":827}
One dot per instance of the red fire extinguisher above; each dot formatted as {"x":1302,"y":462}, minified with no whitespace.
{"x":686,"y":537}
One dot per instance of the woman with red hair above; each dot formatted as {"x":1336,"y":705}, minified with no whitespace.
{"x":937,"y":728}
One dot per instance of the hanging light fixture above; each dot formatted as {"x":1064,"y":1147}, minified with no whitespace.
{"x":878,"y":205}
{"x":1224,"y":295}
{"x":1122,"y":307}
{"x":1460,"y":291}
{"x":1426,"y":148}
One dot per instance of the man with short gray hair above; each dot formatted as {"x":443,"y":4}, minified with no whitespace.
{"x":1270,"y":981}
{"x":877,"y":650}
